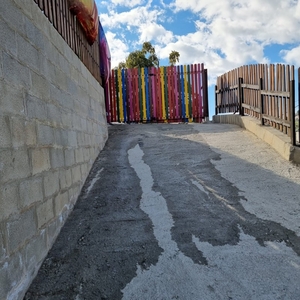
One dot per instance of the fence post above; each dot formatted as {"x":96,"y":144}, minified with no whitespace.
{"x":261,"y":97}
{"x":216,"y":99}
{"x":292,"y":112}
{"x":205,"y":94}
{"x":298,"y":104}
{"x":241,"y":96}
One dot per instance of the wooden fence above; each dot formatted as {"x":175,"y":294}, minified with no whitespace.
{"x":57,"y":11}
{"x":266,"y":92}
{"x":165,"y":94}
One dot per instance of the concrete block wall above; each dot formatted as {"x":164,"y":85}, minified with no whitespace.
{"x":52,"y":127}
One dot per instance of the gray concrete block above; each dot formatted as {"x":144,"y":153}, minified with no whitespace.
{"x":51,"y":183}
{"x":45,"y":212}
{"x":74,"y":72}
{"x":40,"y":160}
{"x":84,"y":170}
{"x":5,"y":132}
{"x":82,"y":102}
{"x":25,"y":6}
{"x":79,"y":155}
{"x":76,"y":121}
{"x":76,"y":174}
{"x":72,"y":139}
{"x":83,"y":124}
{"x":55,"y":92}
{"x":35,"y":252}
{"x":9,"y":12}
{"x":54,"y":114}
{"x":65,"y":178}
{"x":1,"y":64}
{"x":61,"y":81}
{"x":22,"y":228}
{"x":9,"y":200}
{"x":35,"y":35}
{"x":31,"y":191}
{"x":36,"y":108}
{"x":67,"y":101}
{"x":30,"y":132}
{"x":3,"y":246}
{"x":45,"y":135}
{"x":69,"y":157}
{"x":86,"y":154}
{"x":63,"y":63}
{"x":72,"y":87}
{"x":87,"y":138}
{"x":8,"y":38}
{"x":61,"y":137}
{"x":80,"y":139}
{"x":15,"y":72}
{"x":23,"y":132}
{"x":79,"y":107}
{"x":67,"y":120}
{"x":44,"y":66}
{"x":61,"y":203}
{"x":57,"y":158}
{"x":18,"y":132}
{"x":40,"y":87}
{"x":40,"y":21}
{"x":13,"y":165}
{"x":53,"y":230}
{"x":27,"y":54}
{"x":9,"y":277}
{"x":74,"y":193}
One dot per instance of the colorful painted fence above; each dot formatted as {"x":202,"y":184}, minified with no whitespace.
{"x":165,"y":94}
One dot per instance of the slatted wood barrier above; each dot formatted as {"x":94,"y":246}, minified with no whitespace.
{"x":165,"y":94}
{"x":265,"y":92}
{"x":57,"y":11}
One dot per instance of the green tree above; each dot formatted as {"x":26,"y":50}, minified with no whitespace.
{"x":173,"y":57}
{"x":146,"y":57}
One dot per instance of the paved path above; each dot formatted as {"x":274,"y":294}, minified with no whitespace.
{"x":189,"y":212}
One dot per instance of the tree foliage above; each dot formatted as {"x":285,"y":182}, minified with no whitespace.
{"x":146,"y":57}
{"x":173,"y":57}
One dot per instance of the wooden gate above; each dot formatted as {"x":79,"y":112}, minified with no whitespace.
{"x":165,"y":94}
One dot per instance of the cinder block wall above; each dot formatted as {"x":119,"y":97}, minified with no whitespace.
{"x":52,"y":127}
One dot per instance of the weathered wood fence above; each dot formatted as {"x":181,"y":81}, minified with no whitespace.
{"x":165,"y":94}
{"x":266,"y":92}
{"x":57,"y":11}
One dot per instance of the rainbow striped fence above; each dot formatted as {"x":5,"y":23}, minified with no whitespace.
{"x":165,"y":94}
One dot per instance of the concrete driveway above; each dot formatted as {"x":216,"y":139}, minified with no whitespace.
{"x":199,"y":211}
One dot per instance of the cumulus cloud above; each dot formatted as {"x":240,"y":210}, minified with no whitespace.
{"x":130,"y":3}
{"x":292,"y":56}
{"x":226,"y":34}
{"x":118,"y":48}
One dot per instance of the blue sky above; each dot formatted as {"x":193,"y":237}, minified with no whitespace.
{"x":222,"y":34}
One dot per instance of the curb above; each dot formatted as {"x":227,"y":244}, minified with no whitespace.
{"x":276,"y":139}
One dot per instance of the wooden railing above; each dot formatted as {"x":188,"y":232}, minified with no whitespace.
{"x":57,"y":11}
{"x":265,"y":92}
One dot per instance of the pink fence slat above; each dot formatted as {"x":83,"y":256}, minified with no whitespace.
{"x":194,"y":102}
{"x":197,"y":90}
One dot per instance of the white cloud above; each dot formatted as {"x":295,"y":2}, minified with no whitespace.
{"x":135,"y":17}
{"x":127,"y":3}
{"x":155,"y":32}
{"x":291,"y":56}
{"x":118,"y":48}
{"x":227,"y":33}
